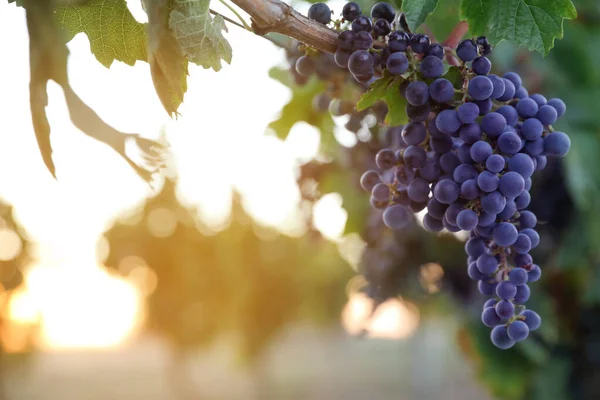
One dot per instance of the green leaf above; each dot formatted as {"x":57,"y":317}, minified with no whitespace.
{"x":199,"y":34}
{"x":528,"y":23}
{"x":455,"y":77}
{"x":376,"y":92}
{"x":396,"y":104}
{"x":416,"y":11}
{"x":111,"y":29}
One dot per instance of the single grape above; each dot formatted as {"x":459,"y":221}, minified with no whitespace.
{"x":510,"y":114}
{"x":499,"y":86}
{"x":500,"y":338}
{"x":360,"y":63}
{"x":467,"y":113}
{"x":505,"y":234}
{"x":381,"y":27}
{"x":535,"y":147}
{"x":509,"y":143}
{"x":397,"y":63}
{"x":363,"y":41}
{"x":480,"y":151}
{"x":509,"y":90}
{"x":396,"y":217}
{"x":511,"y":184}
{"x":305,"y":66}
{"x":398,"y":41}
{"x":418,"y":190}
{"x":342,"y":57}
{"x":447,"y":122}
{"x":345,"y":40}
{"x":417,"y":93}
{"x":417,"y":207}
{"x":414,"y":133}
{"x":362,"y":23}
{"x":415,"y":156}
{"x":485,"y":106}
{"x":441,"y":90}
{"x":320,"y":12}
{"x":486,"y":219}
{"x":534,"y":274}
{"x":436,"y":209}
{"x":518,"y":276}
{"x":488,"y":181}
{"x":558,"y":105}
{"x":369,"y":179}
{"x":474,"y":247}
{"x":467,"y":220}
{"x":446,"y":191}
{"x":514,"y":78}
{"x":420,"y":43}
{"x":522,"y":295}
{"x":383,"y":10}
{"x":541,"y":162}
{"x":469,"y":133}
{"x":351,"y":11}
{"x":531,"y":319}
{"x":449,"y":162}
{"x":381,"y":192}
{"x":509,"y":210}
{"x":547,"y":114}
{"x":441,"y":145}
{"x":469,"y":190}
{"x":481,"y":65}
{"x":493,"y":203}
{"x":532,"y":128}
{"x":431,"y":67}
{"x":527,"y":108}
{"x":527,"y":219}
{"x":432,"y":224}
{"x":417,"y":113}
{"x":487,"y":264}
{"x":523,"y":244}
{"x":533,"y":236}
{"x":523,"y":200}
{"x":486,"y":288}
{"x":495,"y":163}
{"x":490,"y":303}
{"x":386,"y":159}
{"x":484,"y":231}
{"x":466,"y":50}
{"x":474,"y":273}
{"x":504,"y":308}
{"x":506,"y":290}
{"x":539,"y":99}
{"x":490,"y":318}
{"x":521,"y":93}
{"x":557,"y":144}
{"x":463,"y":173}
{"x":464,"y":153}
{"x":480,"y":88}
{"x":436,"y":50}
{"x":523,"y":260}
{"x":522,"y":164}
{"x":518,"y":331}
{"x":493,"y":124}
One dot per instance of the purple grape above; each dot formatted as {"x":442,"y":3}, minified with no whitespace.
{"x":518,"y":331}
{"x":397,"y":63}
{"x":534,"y":274}
{"x":436,"y":50}
{"x":522,"y":295}
{"x":527,"y":219}
{"x":518,"y":276}
{"x":487,"y":264}
{"x":514,"y":78}
{"x":417,"y":113}
{"x":480,"y":88}
{"x":481,"y":65}
{"x":467,"y":220}
{"x":463,"y":173}
{"x":362,"y":23}
{"x":523,"y":244}
{"x":505,"y":234}
{"x":509,"y":90}
{"x":396,"y":217}
{"x":447,"y":122}
{"x":480,"y":151}
{"x":493,"y":124}
{"x":487,"y":181}
{"x":382,"y":27}
{"x":383,"y":11}
{"x":469,"y":189}
{"x":432,"y":224}
{"x":496,"y":163}
{"x":506,"y":290}
{"x":467,"y":112}
{"x":469,"y":133}
{"x":504,"y":308}
{"x":420,"y":43}
{"x":490,"y":318}
{"x":527,"y":108}
{"x":466,"y":50}
{"x":363,"y":41}
{"x":351,"y":11}
{"x":418,"y":190}
{"x":386,"y":159}
{"x":369,"y":179}
{"x":557,"y":144}
{"x":417,"y":93}
{"x":500,"y":338}
{"x":558,"y":105}
{"x":431,"y":67}
{"x":415,"y":156}
{"x":511,"y":184}
{"x":320,"y":12}
{"x":474,"y":247}
{"x":381,"y":192}
{"x":398,"y":41}
{"x":360,"y":63}
{"x":446,"y":191}
{"x":499,"y":86}
{"x":509,"y":142}
{"x":441,"y":90}
{"x":532,"y":319}
{"x":493,"y":203}
{"x":522,"y":164}
{"x":547,"y":114}
{"x":533,"y":236}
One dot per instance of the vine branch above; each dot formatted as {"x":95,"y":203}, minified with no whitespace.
{"x":276,"y":16}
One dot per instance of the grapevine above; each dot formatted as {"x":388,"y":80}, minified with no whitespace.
{"x":466,"y":156}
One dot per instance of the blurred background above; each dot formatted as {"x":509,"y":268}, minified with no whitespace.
{"x":236,"y":277}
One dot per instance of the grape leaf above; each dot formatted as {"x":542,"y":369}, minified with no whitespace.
{"x":111,"y":29}
{"x":529,"y":23}
{"x":300,"y":108}
{"x":396,"y":104}
{"x":416,"y":11}
{"x":168,"y":64}
{"x":376,"y":92}
{"x":199,"y":34}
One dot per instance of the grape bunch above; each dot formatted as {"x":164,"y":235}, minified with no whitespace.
{"x":467,"y":155}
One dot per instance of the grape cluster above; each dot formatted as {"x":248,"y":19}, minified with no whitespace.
{"x":467,"y":155}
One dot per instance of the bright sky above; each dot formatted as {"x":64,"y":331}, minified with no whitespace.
{"x":219,"y":143}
